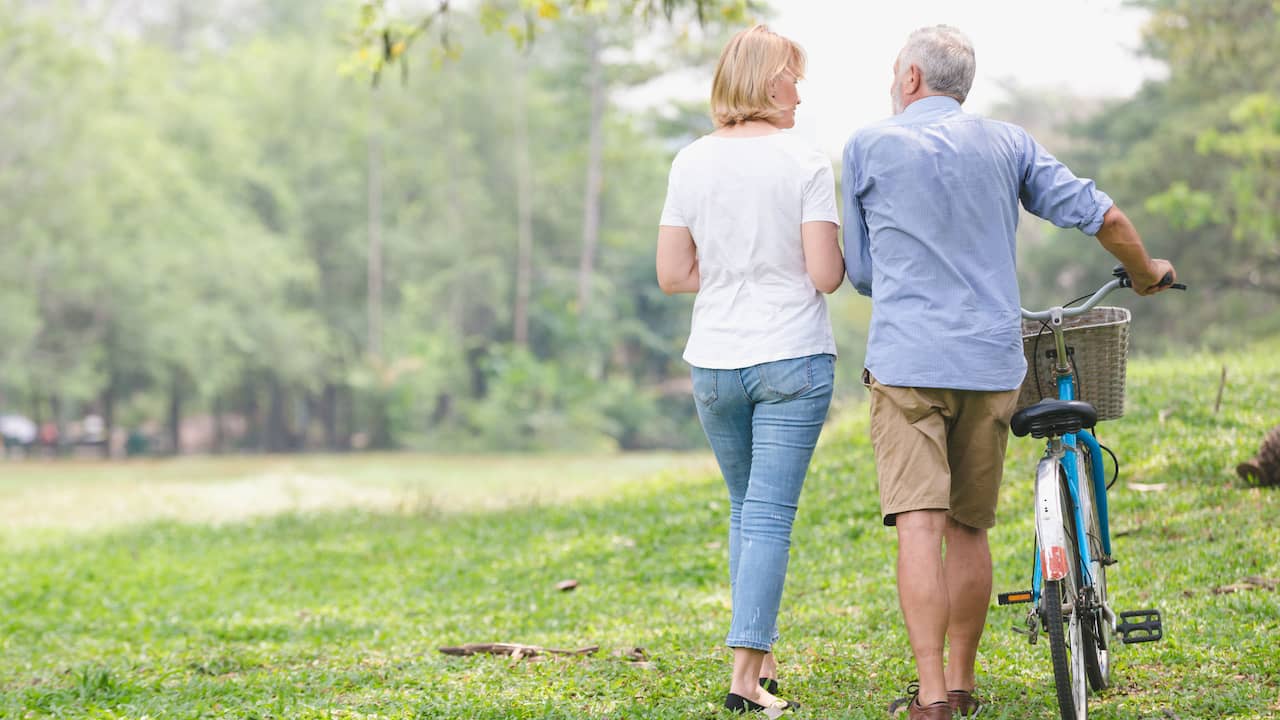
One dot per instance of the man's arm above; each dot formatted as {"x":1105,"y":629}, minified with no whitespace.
{"x":1120,"y":238}
{"x":857,"y":240}
{"x":1051,"y":191}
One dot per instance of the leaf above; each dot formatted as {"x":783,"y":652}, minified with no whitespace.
{"x":492,"y":17}
{"x":548,"y":10}
{"x":1185,"y":208}
{"x":368,"y":13}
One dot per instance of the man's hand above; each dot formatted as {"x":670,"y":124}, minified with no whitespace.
{"x":1147,"y":280}
{"x":1121,"y":239}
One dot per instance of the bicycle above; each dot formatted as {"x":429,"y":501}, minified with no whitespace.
{"x":1073,"y":537}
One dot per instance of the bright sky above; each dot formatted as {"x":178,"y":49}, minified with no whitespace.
{"x":1085,"y":46}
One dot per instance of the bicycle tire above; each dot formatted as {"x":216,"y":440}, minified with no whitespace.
{"x":1066,"y":641}
{"x":1055,"y":627}
{"x":1095,"y":627}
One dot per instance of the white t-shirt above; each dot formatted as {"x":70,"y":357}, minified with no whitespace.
{"x":743,"y":200}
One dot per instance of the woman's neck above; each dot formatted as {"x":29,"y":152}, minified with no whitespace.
{"x":750,"y":128}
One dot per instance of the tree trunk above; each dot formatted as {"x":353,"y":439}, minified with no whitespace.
{"x":346,"y":412}
{"x":374,"y":210}
{"x":55,"y":407}
{"x":380,"y":436}
{"x":329,"y":416}
{"x":175,"y":414}
{"x":277,"y":426}
{"x":36,"y":415}
{"x":524,"y":215}
{"x":108,"y":402}
{"x":253,"y":436}
{"x":219,"y":436}
{"x":595,"y":171}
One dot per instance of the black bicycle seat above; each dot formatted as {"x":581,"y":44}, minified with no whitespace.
{"x":1051,"y":418}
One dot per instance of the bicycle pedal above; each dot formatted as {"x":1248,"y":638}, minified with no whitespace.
{"x":1013,"y":598}
{"x":1139,"y":626}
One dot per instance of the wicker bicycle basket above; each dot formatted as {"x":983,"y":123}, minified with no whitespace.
{"x":1098,"y":345}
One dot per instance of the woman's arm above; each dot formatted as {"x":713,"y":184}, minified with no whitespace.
{"x":677,"y":260}
{"x":822,"y":256}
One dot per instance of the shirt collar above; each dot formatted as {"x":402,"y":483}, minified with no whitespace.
{"x":933,"y":104}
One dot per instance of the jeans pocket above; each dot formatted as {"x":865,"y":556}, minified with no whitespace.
{"x":787,"y":379}
{"x":705,"y":390}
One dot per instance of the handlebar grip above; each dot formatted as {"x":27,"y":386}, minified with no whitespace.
{"x":1167,"y":281}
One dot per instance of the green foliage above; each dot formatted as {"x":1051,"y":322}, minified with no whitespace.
{"x":341,"y":614}
{"x":1254,"y":145}
{"x":1186,"y":209}
{"x":191,"y":232}
{"x":382,"y":37}
{"x":1192,"y":160}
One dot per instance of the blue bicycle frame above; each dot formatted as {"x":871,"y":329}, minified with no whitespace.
{"x":1067,"y":391}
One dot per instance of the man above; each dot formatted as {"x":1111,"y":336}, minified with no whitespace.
{"x":931,"y":208}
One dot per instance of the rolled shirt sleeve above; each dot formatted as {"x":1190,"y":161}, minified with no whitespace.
{"x":1051,"y":191}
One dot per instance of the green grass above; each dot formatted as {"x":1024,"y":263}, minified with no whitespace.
{"x":42,"y":499}
{"x":339,"y":611}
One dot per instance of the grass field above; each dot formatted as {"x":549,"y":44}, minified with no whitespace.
{"x":323,"y":587}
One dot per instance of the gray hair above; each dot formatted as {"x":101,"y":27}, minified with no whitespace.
{"x":945,"y":58}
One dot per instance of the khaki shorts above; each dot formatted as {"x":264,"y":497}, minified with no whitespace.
{"x":940,"y":449}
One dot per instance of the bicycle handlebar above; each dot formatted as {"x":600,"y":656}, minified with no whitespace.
{"x":1120,"y":280}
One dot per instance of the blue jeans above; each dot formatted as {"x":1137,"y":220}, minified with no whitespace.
{"x":762,"y":422}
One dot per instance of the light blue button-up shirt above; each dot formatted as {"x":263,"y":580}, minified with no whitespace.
{"x":931,"y":208}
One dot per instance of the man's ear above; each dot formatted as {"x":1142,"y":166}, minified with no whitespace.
{"x":915,"y":80}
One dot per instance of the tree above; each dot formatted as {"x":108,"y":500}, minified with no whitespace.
{"x":189,"y":235}
{"x":1191,"y":158}
{"x":383,"y":38}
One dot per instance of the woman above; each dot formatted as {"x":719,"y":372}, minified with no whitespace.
{"x":750,"y":225}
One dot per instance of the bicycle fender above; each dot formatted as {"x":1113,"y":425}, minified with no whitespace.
{"x":1051,"y":536}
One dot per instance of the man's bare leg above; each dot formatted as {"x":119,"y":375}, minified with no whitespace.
{"x":967,"y":573}
{"x":922,"y":594}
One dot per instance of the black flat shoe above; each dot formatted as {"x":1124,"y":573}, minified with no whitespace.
{"x":739,"y":704}
{"x":770,"y":685}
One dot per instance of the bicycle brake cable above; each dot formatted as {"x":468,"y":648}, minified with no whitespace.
{"x":1035,"y":350}
{"x":1115,"y":462}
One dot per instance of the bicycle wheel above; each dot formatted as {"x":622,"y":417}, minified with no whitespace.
{"x":1095,"y":626}
{"x":1059,"y":603}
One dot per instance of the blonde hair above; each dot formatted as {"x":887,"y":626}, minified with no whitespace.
{"x":751,"y":60}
